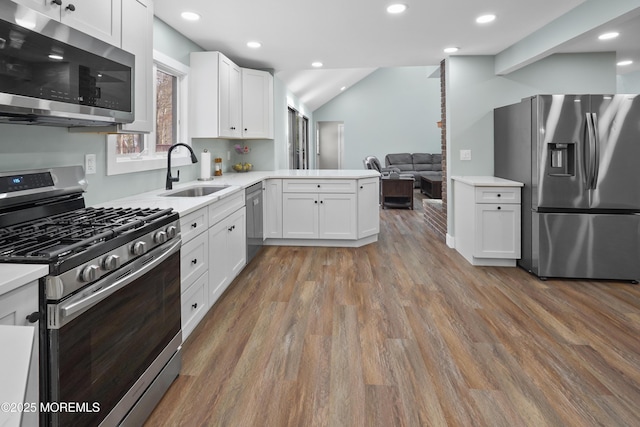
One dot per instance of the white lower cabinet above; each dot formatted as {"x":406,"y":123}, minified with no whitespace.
{"x":15,"y":306}
{"x":337,"y":215}
{"x":497,"y":233}
{"x":300,"y":216}
{"x":368,"y":207}
{"x":195,"y":304}
{"x":228,"y":254}
{"x":213,"y":253}
{"x":315,"y":209}
{"x":487,"y":220}
{"x":194,"y":258}
{"x":272,"y":209}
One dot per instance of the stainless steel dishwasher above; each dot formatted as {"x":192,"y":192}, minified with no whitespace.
{"x":253,"y":199}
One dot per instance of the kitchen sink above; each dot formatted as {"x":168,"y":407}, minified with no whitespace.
{"x":198,"y":191}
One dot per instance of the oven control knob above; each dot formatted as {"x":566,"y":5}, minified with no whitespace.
{"x":139,"y":248}
{"x":172,"y":230}
{"x":160,"y":237}
{"x":89,"y":273}
{"x":111,"y":262}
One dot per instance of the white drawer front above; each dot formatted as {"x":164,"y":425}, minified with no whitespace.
{"x":318,"y":186}
{"x":194,"y":305}
{"x":497,"y":194}
{"x":193,"y":224}
{"x":194,"y":257}
{"x":223,"y":208}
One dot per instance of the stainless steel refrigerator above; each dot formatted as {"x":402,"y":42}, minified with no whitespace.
{"x":579,"y":159}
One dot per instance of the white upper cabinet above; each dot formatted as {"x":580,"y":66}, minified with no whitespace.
{"x":227,"y":101}
{"x":137,"y":38}
{"x":98,"y":18}
{"x":230,"y":100}
{"x":257,"y":104}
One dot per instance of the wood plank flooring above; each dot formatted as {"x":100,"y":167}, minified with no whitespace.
{"x":405,"y":332}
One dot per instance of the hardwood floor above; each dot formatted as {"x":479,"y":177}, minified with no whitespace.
{"x":405,"y":332}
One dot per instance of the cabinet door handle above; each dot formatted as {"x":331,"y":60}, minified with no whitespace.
{"x":194,"y":225}
{"x":33,"y":317}
{"x":194,"y":261}
{"x":361,"y":187}
{"x":58,"y":2}
{"x":321,"y":201}
{"x":194,"y":305}
{"x":70,"y":7}
{"x":315,"y":201}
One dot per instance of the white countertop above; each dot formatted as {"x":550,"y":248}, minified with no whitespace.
{"x":13,"y":276}
{"x":14,"y":370}
{"x":486,"y":181}
{"x":236,"y":181}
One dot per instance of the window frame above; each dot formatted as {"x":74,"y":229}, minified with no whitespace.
{"x":117,"y":166}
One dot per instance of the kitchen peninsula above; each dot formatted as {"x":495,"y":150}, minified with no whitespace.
{"x":302,"y":207}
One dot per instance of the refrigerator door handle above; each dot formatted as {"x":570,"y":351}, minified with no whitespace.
{"x":590,"y":152}
{"x":596,"y":151}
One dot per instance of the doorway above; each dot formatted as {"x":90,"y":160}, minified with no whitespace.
{"x":330,"y":145}
{"x":298,"y":140}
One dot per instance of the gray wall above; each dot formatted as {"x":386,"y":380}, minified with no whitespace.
{"x":473,"y":91}
{"x":629,"y":83}
{"x":391,"y":110}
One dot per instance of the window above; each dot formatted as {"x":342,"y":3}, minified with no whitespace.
{"x":130,"y":152}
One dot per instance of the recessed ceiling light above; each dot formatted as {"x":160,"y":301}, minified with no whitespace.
{"x":451,"y":50}
{"x":396,"y":8}
{"x":254,"y":45}
{"x":608,"y":36}
{"x":316,"y":64}
{"x":625,"y":63}
{"x":56,"y":57}
{"x":485,"y":19}
{"x":190,"y":16}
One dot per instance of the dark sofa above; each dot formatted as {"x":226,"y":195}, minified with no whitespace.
{"x":418,"y":164}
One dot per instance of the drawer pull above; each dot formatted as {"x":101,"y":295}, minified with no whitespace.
{"x":318,"y":185}
{"x":499,"y":208}
{"x":33,"y":317}
{"x":195,"y":260}
{"x":194,"y":305}
{"x":499,"y":194}
{"x":194,"y":225}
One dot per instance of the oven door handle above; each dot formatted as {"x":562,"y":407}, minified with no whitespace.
{"x":72,"y":308}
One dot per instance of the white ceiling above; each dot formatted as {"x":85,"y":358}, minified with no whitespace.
{"x":352,"y":38}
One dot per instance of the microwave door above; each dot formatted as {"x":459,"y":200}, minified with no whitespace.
{"x":561,"y":135}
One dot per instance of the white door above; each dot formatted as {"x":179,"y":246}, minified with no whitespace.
{"x":330,"y":145}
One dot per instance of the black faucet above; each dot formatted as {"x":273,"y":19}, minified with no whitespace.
{"x":170,"y":179}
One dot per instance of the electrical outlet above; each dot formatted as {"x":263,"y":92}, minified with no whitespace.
{"x":90,"y":164}
{"x":465,"y":154}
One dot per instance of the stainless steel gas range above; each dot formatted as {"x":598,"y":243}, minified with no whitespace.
{"x":110,"y":307}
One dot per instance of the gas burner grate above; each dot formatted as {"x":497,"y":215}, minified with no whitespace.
{"x":62,"y":235}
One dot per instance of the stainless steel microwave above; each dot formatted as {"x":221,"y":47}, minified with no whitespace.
{"x":51,"y":74}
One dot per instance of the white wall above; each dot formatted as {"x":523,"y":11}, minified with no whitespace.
{"x":392,"y":110}
{"x":473,"y":91}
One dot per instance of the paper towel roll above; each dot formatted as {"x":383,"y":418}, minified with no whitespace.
{"x":205,"y":165}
